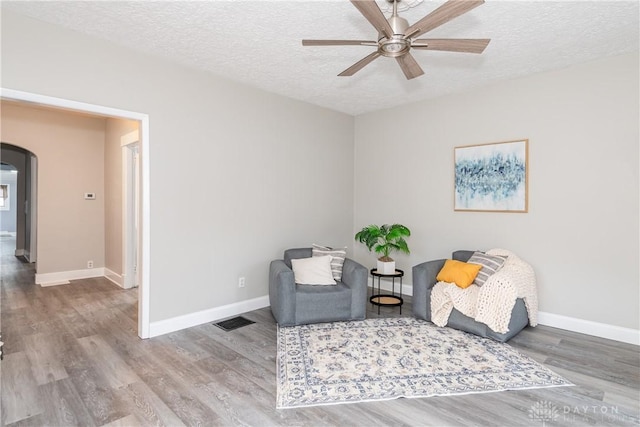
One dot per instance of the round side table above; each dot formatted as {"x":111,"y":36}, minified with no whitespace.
{"x":387,"y":300}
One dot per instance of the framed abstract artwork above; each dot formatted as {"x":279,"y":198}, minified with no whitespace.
{"x":492,"y":177}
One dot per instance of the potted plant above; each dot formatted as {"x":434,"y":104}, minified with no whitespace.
{"x":384,"y":240}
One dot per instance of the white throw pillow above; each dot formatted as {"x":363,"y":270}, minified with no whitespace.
{"x":313,"y":271}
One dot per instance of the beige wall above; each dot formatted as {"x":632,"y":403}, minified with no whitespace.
{"x":115,"y":130}
{"x":70,"y":150}
{"x":581,"y":232}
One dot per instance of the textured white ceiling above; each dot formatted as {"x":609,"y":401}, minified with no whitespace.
{"x":259,"y":42}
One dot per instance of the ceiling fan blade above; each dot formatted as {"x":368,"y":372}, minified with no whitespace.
{"x":338,"y":42}
{"x":445,"y":13}
{"x":452,"y":45}
{"x":359,"y":65}
{"x":410,"y":67}
{"x":370,"y":10}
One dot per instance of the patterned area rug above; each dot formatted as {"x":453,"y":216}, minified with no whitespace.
{"x":381,"y":359}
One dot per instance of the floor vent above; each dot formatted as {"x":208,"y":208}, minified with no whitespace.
{"x":233,"y":323}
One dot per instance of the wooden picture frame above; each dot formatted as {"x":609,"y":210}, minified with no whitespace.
{"x":492,"y":177}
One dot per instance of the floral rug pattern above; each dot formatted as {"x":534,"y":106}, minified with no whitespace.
{"x":381,"y":359}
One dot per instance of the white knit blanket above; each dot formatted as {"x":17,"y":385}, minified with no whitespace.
{"x":493,"y":302}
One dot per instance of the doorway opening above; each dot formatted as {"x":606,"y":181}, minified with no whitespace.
{"x":143,"y":246}
{"x":19,"y":199}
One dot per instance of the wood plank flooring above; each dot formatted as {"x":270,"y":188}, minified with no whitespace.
{"x":72,"y":357}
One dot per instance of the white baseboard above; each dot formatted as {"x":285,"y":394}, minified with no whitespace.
{"x":162,"y":327}
{"x":114,"y":277}
{"x":602,"y":330}
{"x":588,"y":327}
{"x":63,"y":277}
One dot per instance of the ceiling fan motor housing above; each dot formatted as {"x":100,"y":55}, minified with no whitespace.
{"x":397,"y":45}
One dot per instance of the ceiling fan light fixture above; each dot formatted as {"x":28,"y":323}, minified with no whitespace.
{"x":394,"y":47}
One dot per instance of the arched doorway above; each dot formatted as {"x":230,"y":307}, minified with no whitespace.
{"x":18,"y":207}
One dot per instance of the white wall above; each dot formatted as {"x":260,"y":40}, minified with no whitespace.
{"x":236,"y":174}
{"x":581,"y":232}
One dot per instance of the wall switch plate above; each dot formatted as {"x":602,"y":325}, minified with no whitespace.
{"x":89,"y":196}
{"x":241,"y":282}
{"x":89,"y":264}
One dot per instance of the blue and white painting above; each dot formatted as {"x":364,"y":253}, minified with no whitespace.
{"x":491,"y":177}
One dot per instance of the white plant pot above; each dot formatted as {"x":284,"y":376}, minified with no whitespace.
{"x":386,"y":267}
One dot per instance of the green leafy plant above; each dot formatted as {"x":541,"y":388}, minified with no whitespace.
{"x":384,"y":239}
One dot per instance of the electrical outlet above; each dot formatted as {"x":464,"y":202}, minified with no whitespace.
{"x":241,"y":282}
{"x":89,"y":264}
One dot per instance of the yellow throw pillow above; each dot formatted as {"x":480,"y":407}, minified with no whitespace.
{"x":461,"y":273}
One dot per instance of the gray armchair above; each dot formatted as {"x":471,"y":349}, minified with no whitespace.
{"x":424,"y":278}
{"x":293,"y":304}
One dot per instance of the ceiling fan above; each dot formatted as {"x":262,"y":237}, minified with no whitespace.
{"x":396,"y":37}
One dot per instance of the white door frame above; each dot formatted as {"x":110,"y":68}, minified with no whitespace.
{"x":130,"y":144}
{"x":33,"y":210}
{"x":144,"y":288}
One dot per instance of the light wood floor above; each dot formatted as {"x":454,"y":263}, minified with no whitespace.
{"x":72,"y":357}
